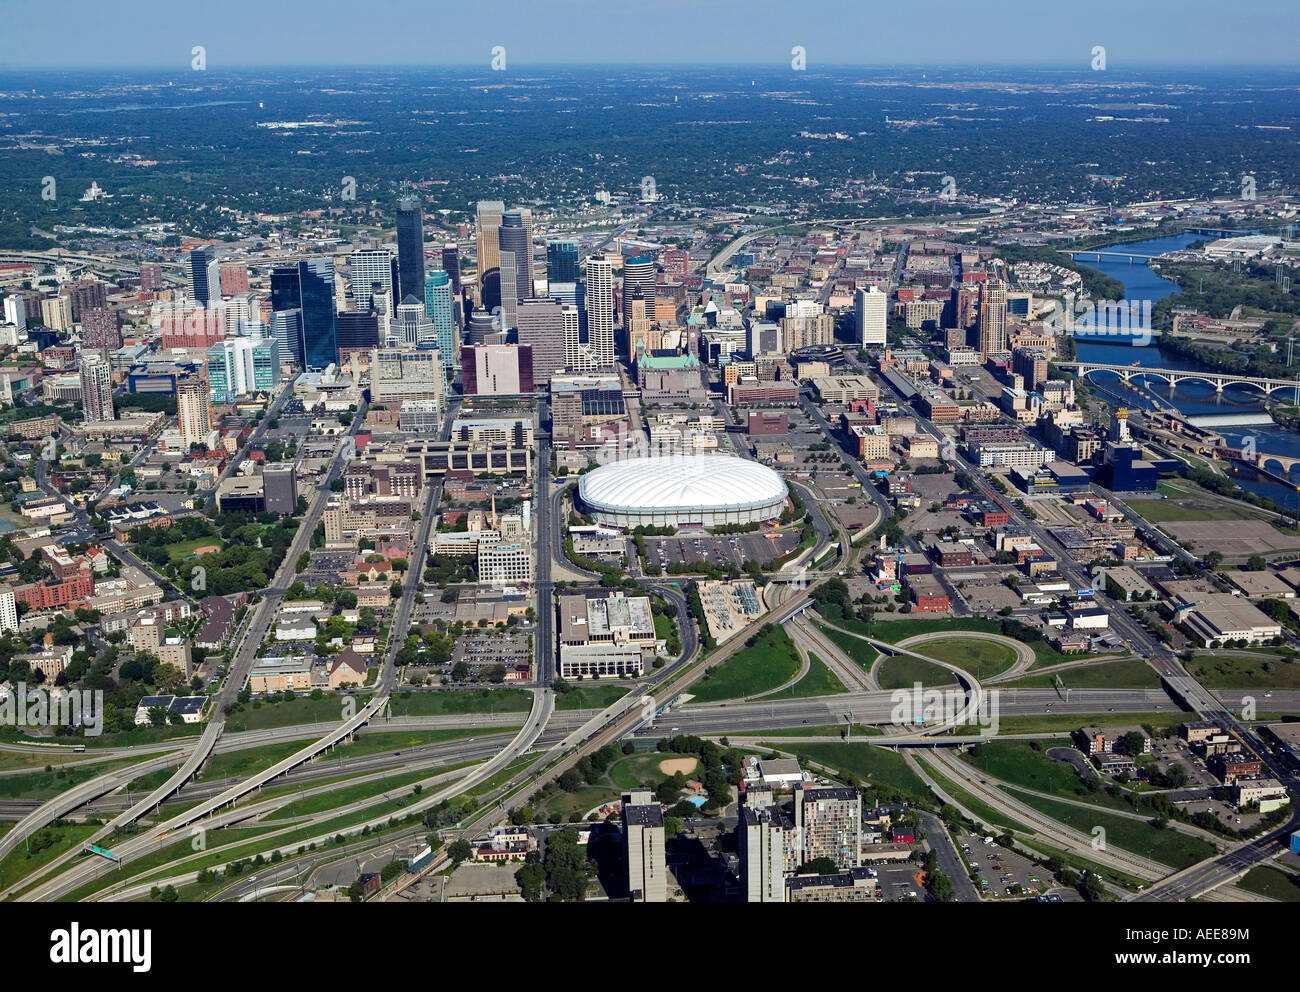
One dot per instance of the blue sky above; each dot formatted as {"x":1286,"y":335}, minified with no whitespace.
{"x":147,"y":33}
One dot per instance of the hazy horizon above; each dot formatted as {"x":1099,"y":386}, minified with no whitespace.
{"x":242,"y":34}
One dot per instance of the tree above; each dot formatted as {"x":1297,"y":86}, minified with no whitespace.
{"x":168,"y":677}
{"x":1132,"y":743}
{"x":460,"y":850}
{"x":1213,"y":559}
{"x":818,"y":866}
{"x":1255,"y":563}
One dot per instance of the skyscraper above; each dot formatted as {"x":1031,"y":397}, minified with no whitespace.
{"x":358,"y":331}
{"x":308,"y":286}
{"x":193,"y":410}
{"x":542,"y":326}
{"x":451,"y":265}
{"x":600,"y":310}
{"x":993,"y":318}
{"x":509,"y":275}
{"x":242,"y":365}
{"x":829,"y":823}
{"x":96,"y":387}
{"x":439,"y":303}
{"x":410,"y":248}
{"x":869,"y":310}
{"x":516,"y":236}
{"x":643,"y":847}
{"x":204,"y":275}
{"x":639,"y":273}
{"x":370,"y":267}
{"x":413,"y":326}
{"x":487,"y":221}
{"x":768,"y":846}
{"x":561,"y":262}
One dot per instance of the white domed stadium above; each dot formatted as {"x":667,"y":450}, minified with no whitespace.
{"x":677,"y":490}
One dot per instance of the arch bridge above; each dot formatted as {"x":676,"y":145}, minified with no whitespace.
{"x":1173,"y":377}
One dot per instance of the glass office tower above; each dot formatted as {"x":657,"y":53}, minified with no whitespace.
{"x":439,"y":305}
{"x":410,"y":248}
{"x":561,"y":262}
{"x":307,"y":287}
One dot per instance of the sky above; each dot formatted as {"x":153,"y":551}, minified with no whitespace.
{"x":241,"y":33}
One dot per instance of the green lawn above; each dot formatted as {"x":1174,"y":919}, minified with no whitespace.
{"x":1185,"y":507}
{"x":184,"y":549}
{"x":1235,"y":672}
{"x":859,"y":650}
{"x":1019,"y":763}
{"x":632,"y":770}
{"x":18,"y":864}
{"x":1168,"y":846}
{"x":571,"y":805}
{"x":589,"y":697}
{"x":261,"y":715}
{"x":981,"y":658}
{"x":437,"y":703}
{"x":344,"y":795}
{"x":903,"y":671}
{"x":1054,"y":723}
{"x":42,"y":785}
{"x":819,"y":681}
{"x":869,"y":764}
{"x":1272,"y":883}
{"x":1131,"y":674}
{"x":249,"y":761}
{"x":768,"y":662}
{"x":975,"y":805}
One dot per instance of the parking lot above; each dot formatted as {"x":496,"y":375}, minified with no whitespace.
{"x":720,"y":550}
{"x":327,"y":568}
{"x":1000,"y":872}
{"x":483,"y":650}
{"x":898,"y":882}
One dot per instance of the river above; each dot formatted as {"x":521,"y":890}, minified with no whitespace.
{"x":1192,"y":399}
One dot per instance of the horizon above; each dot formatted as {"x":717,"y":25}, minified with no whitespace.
{"x":80,"y":33}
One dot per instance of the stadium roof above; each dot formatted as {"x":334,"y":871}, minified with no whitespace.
{"x":682,"y":482}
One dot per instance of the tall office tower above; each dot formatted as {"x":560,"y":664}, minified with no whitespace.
{"x":151,"y":277}
{"x":643,"y":847}
{"x":16,"y":312}
{"x":869,"y":310}
{"x":371,"y":268}
{"x":600,"y":310}
{"x":487,"y":221}
{"x":358,"y":331}
{"x":509,"y":275}
{"x":451,"y":265}
{"x":768,"y":846}
{"x":410,"y":248}
{"x":8,"y":609}
{"x":86,"y":294}
{"x":542,"y":326}
{"x":993,"y":318}
{"x":439,"y":304}
{"x":56,"y":313}
{"x":639,"y":272}
{"x":204,"y":277}
{"x":234,"y":278}
{"x":637,"y":323}
{"x":193,"y":410}
{"x":576,"y":356}
{"x":515,"y":235}
{"x":829,"y":822}
{"x":96,"y":387}
{"x":412,"y":326}
{"x":286,"y":327}
{"x":561,"y":261}
{"x":309,"y":286}
{"x":101,"y":329}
